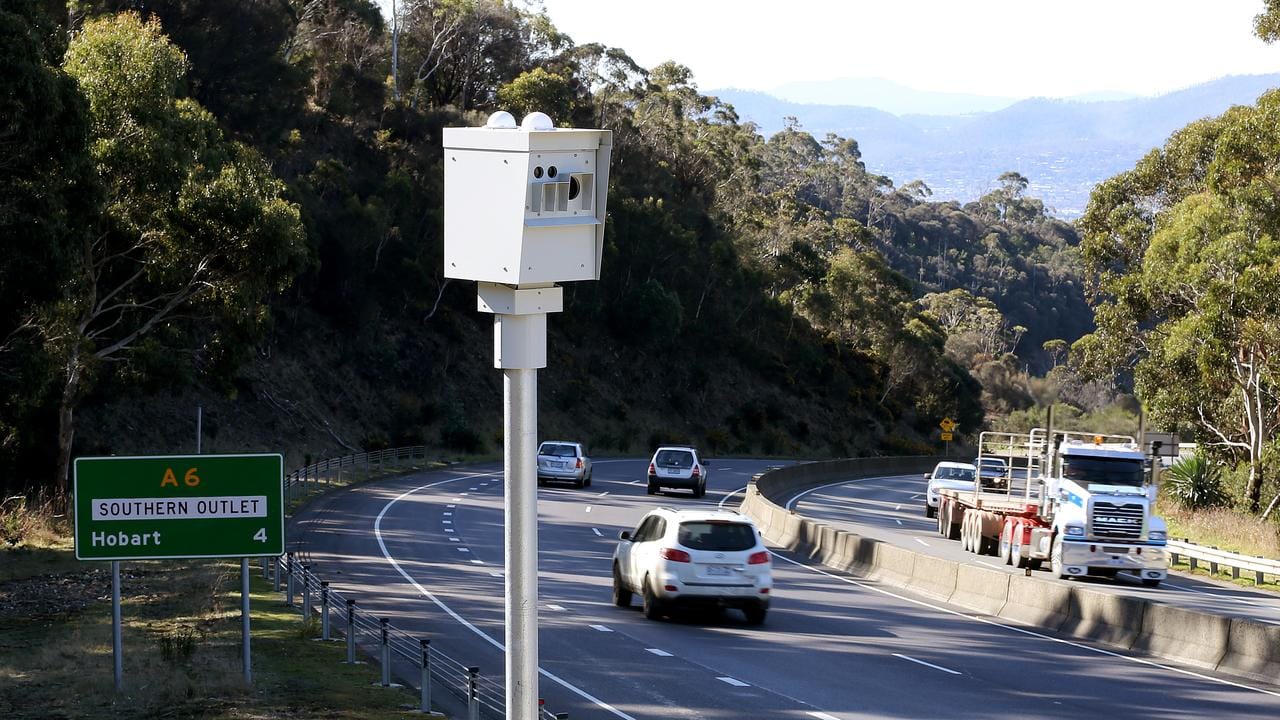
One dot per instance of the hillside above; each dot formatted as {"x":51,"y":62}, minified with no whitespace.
{"x":1063,"y":147}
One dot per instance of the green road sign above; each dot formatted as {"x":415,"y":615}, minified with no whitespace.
{"x":184,"y":506}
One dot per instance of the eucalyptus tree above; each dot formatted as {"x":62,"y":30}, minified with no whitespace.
{"x":194,"y":231}
{"x":1183,"y":260}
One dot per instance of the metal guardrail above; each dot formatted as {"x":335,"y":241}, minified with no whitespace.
{"x":376,"y":637}
{"x":1195,"y":554}
{"x":387,"y":645}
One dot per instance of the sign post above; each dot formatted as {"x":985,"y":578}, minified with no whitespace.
{"x":183,"y":506}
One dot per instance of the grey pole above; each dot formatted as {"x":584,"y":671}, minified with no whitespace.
{"x":521,"y":429}
{"x":306,"y":592}
{"x":386,"y":653}
{"x":244,"y":618}
{"x":426,"y":675}
{"x":351,"y":632}
{"x":116,"y":649}
{"x":473,"y":694}
{"x":324,"y":610}
{"x":288,"y":571}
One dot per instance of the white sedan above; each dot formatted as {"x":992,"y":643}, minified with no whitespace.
{"x":947,"y":476}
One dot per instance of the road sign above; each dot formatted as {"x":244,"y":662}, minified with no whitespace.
{"x":947,"y":425}
{"x":1168,"y":444}
{"x":185,"y":506}
{"x":946,"y":436}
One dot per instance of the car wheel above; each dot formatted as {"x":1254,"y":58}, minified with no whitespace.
{"x":589,"y":480}
{"x":652,"y":489}
{"x":621,"y":595}
{"x":652,"y":605}
{"x":580,"y":483}
{"x":930,"y":511}
{"x":755,"y":614}
{"x":700,"y":490}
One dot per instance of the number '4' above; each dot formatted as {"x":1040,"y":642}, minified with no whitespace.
{"x":261,"y":535}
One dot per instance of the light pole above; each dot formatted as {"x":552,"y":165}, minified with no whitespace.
{"x":524,"y":209}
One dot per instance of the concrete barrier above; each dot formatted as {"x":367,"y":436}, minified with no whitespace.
{"x":1193,"y":637}
{"x":1253,"y":650}
{"x":1105,"y":617}
{"x":1238,"y":646}
{"x":981,"y":589}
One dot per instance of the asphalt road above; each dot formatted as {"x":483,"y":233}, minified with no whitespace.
{"x":426,"y":551}
{"x":892,"y":509}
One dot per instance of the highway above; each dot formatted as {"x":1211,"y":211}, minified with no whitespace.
{"x":426,"y":551}
{"x":892,"y":509}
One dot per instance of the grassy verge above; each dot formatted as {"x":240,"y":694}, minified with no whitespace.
{"x":182,"y":652}
{"x":1228,"y":530}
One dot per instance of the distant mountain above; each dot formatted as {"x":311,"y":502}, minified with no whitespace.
{"x":888,"y":96}
{"x":1064,"y":147}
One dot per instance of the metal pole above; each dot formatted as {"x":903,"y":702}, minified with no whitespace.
{"x":116,"y":650}
{"x":306,"y":592}
{"x":275,"y":573}
{"x":386,"y":653}
{"x":426,"y":675}
{"x":288,"y":571}
{"x":520,"y":461}
{"x":473,"y":695}
{"x":244,"y":618}
{"x":324,"y":610}
{"x":351,"y":632}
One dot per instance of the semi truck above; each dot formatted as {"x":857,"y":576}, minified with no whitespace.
{"x":1080,"y":502}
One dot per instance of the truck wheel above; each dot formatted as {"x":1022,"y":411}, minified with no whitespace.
{"x":1015,"y":548}
{"x":953,"y":528}
{"x":1006,"y":558}
{"x":1055,"y":559}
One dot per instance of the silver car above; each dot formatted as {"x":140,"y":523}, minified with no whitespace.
{"x":677,"y":467}
{"x":564,"y":461}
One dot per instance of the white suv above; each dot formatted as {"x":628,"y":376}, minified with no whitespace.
{"x":678,"y":467}
{"x":693,"y":557}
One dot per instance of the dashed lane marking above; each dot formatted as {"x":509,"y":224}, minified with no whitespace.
{"x":926,"y":664}
{"x":659,"y":653}
{"x":733,"y":681}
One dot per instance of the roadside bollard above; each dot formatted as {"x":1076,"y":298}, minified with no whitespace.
{"x":386,"y":653}
{"x":351,"y":632}
{"x":306,"y":592}
{"x":1258,"y":579}
{"x":473,"y":694}
{"x":426,"y":675}
{"x":324,"y":610}
{"x":288,"y":570}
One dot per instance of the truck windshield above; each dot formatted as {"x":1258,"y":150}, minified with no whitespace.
{"x":1102,"y":471}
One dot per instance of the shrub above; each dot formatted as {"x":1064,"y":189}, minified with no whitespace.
{"x":1194,"y":483}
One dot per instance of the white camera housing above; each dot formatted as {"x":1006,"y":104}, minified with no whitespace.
{"x":524,"y":205}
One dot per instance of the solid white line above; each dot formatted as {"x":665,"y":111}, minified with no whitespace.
{"x":921,"y":542}
{"x":1022,"y":631}
{"x":725,"y":499}
{"x":477,"y":562}
{"x":733,"y":681}
{"x":915,"y":496}
{"x":495,"y":573}
{"x":606,"y":492}
{"x":557,"y":608}
{"x":792,"y":502}
{"x":377,"y":532}
{"x":823,"y":716}
{"x":921,"y":662}
{"x":659,"y":653}
{"x":597,"y":532}
{"x":601,"y":628}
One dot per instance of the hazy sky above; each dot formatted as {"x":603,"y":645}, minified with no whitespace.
{"x":1017,"y":48}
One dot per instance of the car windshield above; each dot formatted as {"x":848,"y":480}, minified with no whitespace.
{"x":556,"y":450}
{"x":721,"y":536}
{"x":1102,"y":471}
{"x":954,"y":473}
{"x":675,"y":458}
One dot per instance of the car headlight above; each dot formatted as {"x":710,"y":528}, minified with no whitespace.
{"x":1158,"y":535}
{"x":1074,"y":531}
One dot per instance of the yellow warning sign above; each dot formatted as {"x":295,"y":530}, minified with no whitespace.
{"x":947,"y":425}
{"x":946,"y":436}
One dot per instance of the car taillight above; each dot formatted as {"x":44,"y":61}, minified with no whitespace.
{"x":758,"y":558}
{"x":675,"y":555}
{"x":652,"y":469}
{"x":697,"y":471}
{"x":579,"y":463}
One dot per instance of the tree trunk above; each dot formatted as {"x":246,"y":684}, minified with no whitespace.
{"x":66,"y":430}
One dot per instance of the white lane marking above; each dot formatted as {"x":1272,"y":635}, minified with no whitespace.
{"x":634,"y":482}
{"x":897,"y":507}
{"x":987,"y":564}
{"x":464,"y":494}
{"x":823,"y":716}
{"x":926,"y":664}
{"x":464,"y":549}
{"x":601,"y":628}
{"x":915,"y":496}
{"x":897,"y":521}
{"x":451,"y":506}
{"x":733,"y":681}
{"x":452,"y":539}
{"x":382,"y":545}
{"x":448,"y":522}
{"x":1023,"y":631}
{"x":659,"y":653}
{"x":597,"y":532}
{"x":448,"y":513}
{"x":473,"y":489}
{"x":477,"y":562}
{"x":921,"y":542}
{"x":557,"y":608}
{"x":495,"y":573}
{"x":588,"y":508}
{"x":606,"y":492}
{"x":457,"y":499}
{"x":449,"y":530}
{"x":792,"y":502}
{"x":725,"y":499}
{"x":1220,"y":596}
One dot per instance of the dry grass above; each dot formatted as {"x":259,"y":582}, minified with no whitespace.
{"x":1225,"y":529}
